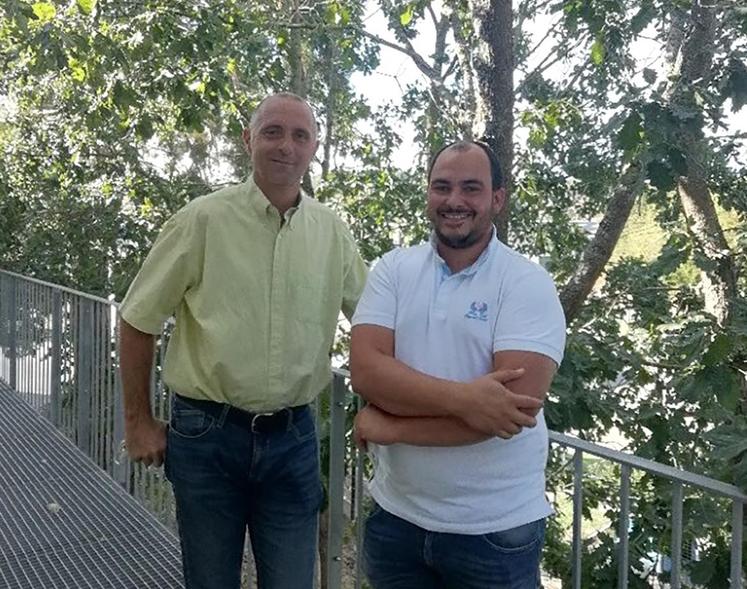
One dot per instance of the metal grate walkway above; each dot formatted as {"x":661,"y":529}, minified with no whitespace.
{"x":64,"y":523}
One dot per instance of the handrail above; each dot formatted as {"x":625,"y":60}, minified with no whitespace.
{"x":62,"y":343}
{"x":662,"y":470}
{"x":669,"y":472}
{"x":60,"y":288}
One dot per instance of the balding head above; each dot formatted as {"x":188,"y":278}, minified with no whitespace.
{"x":256,"y":115}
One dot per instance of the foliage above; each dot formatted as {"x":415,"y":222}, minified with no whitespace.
{"x":114,"y":114}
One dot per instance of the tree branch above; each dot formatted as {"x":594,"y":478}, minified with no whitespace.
{"x":600,"y":248}
{"x":421,"y":64}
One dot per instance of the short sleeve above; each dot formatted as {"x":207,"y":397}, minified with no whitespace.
{"x":354,"y":278}
{"x":170,"y":269}
{"x":530,"y":317}
{"x":378,"y":304}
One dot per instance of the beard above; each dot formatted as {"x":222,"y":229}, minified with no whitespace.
{"x":458,"y":242}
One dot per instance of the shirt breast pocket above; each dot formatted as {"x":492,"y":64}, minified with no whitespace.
{"x":310,"y":303}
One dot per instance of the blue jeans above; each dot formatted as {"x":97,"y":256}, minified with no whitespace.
{"x":228,"y":480}
{"x":401,"y":555}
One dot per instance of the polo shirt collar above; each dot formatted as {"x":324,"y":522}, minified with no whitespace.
{"x":475,"y":266}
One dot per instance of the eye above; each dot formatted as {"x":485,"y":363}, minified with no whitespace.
{"x":271,"y":132}
{"x":440,"y":188}
{"x":301,"y":136}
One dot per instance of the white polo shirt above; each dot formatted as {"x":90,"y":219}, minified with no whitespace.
{"x":448,"y":326}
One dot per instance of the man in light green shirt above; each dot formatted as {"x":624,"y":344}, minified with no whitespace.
{"x":256,"y":275}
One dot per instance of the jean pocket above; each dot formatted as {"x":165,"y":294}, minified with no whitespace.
{"x":518,"y":539}
{"x":303,"y":426}
{"x":190,"y":423}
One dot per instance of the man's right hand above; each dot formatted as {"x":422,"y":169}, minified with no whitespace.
{"x":146,"y":442}
{"x":491,"y":408}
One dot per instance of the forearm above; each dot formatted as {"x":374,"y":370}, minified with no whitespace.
{"x":400,"y":390}
{"x":136,"y":363}
{"x":428,"y":431}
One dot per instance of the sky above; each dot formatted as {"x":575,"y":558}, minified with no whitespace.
{"x":396,"y":71}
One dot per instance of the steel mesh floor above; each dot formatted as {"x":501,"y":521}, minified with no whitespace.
{"x":64,"y":523}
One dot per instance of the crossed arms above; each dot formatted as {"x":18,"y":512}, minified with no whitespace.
{"x":408,"y":406}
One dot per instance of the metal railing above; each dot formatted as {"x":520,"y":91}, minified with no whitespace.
{"x":58,"y":349}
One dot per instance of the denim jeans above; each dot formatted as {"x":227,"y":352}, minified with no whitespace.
{"x":401,"y":555}
{"x":228,"y":480}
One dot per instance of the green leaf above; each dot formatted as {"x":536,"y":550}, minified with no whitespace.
{"x":732,"y":450}
{"x":642,"y":19}
{"x":727,"y":393}
{"x":649,"y":75}
{"x":677,"y":161}
{"x":144,"y":127}
{"x":718,"y":351}
{"x":736,"y":85}
{"x":405,"y":17}
{"x":598,"y":51}
{"x":631,"y":133}
{"x":123,"y":96}
{"x":702,"y":571}
{"x":77,"y":70}
{"x":44,"y":11}
{"x":660,"y":176}
{"x":86,"y":6}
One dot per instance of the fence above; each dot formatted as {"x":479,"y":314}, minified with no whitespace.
{"x":58,"y":349}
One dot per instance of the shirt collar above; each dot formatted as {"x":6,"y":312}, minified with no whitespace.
{"x":264,"y":208}
{"x":475,"y":266}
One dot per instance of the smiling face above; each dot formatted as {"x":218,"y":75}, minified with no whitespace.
{"x":461,"y":201}
{"x":281,"y":142}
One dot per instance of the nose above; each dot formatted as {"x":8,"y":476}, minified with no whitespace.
{"x":284,"y":145}
{"x":454,"y":198}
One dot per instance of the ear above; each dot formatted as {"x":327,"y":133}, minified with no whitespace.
{"x":246,"y":136}
{"x":499,"y":199}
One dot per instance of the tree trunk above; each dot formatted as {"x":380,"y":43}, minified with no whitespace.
{"x":690,"y":53}
{"x":691,"y":71}
{"x":600,"y":248}
{"x":298,"y":78}
{"x":331,"y":76}
{"x":471,"y":119}
{"x":494,"y":63}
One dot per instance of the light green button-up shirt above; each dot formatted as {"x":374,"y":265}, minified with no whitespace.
{"x":256,"y":300}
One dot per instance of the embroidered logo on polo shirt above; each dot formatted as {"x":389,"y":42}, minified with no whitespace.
{"x":478,"y":310}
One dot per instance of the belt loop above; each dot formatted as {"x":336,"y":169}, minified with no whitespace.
{"x":223,"y":414}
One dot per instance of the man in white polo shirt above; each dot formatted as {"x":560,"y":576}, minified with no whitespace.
{"x":454,"y":346}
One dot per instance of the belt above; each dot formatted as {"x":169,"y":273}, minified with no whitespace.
{"x":258,"y":423}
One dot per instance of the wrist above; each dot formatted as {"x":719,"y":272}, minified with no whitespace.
{"x":457,"y":402}
{"x":138,"y":420}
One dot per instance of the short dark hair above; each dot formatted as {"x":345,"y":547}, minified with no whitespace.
{"x":496,"y":174}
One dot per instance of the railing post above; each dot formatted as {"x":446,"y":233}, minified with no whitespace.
{"x":359,"y":494}
{"x":55,"y":377}
{"x":624,"y":530}
{"x":121,"y":462}
{"x":578,"y":473}
{"x":12,"y":332}
{"x":737,"y":537}
{"x":675,"y":578}
{"x":336,"y":481}
{"x":83,"y":373}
